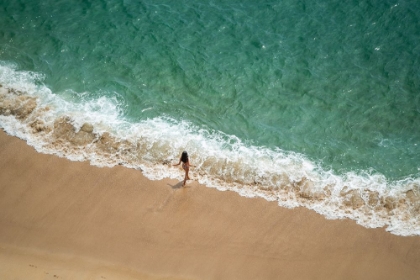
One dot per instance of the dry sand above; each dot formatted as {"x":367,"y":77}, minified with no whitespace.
{"x":70,"y":220}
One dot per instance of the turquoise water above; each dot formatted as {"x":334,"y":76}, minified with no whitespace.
{"x":336,"y":83}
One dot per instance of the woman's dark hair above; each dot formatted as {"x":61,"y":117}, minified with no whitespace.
{"x":184,"y":157}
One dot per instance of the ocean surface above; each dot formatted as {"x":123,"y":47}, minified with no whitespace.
{"x":307,"y":103}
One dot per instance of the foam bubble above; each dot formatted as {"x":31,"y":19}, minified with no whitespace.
{"x":95,"y":130}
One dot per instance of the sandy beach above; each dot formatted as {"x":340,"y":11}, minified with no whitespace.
{"x":70,"y":220}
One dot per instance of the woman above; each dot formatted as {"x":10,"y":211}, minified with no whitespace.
{"x":185,"y":165}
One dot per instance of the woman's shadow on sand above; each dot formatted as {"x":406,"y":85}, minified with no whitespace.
{"x":178,"y":185}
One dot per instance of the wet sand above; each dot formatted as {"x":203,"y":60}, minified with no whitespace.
{"x":70,"y":220}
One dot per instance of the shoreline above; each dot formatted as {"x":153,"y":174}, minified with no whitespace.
{"x":158,"y":230}
{"x":289,"y":179}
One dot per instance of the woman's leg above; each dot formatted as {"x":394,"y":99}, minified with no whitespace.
{"x":186,"y":175}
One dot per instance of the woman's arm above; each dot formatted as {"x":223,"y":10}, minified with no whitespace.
{"x":178,"y":162}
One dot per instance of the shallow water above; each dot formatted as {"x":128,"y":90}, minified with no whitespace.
{"x":302,"y":103}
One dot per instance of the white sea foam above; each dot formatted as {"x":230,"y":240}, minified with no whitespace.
{"x":95,"y":130}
